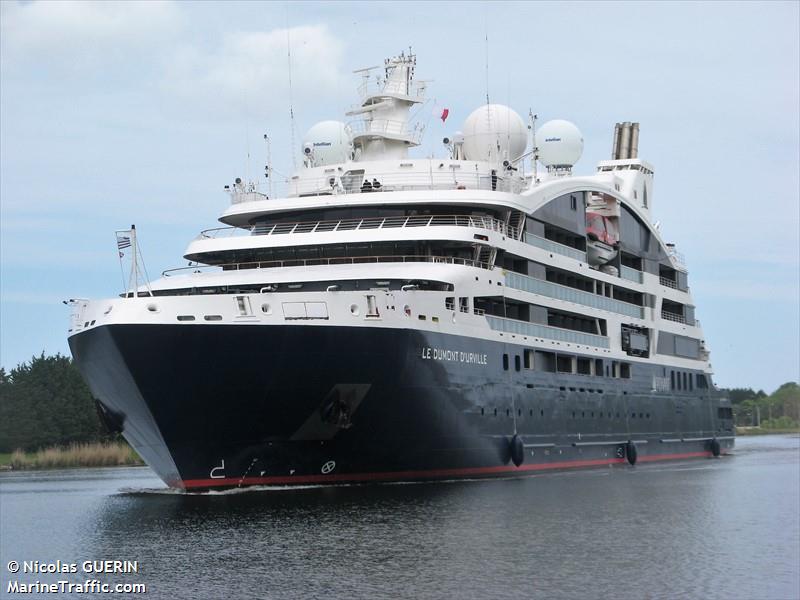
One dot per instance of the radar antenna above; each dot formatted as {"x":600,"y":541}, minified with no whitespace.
{"x":291,"y":102}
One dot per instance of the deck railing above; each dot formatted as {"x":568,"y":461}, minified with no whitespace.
{"x":435,"y":177}
{"x":363,"y":224}
{"x":344,"y":260}
{"x":563,"y":292}
{"x":631,"y":274}
{"x":551,"y":246}
{"x":669,"y":316}
{"x":410,"y":176}
{"x":668,"y":282}
{"x":545,"y":331}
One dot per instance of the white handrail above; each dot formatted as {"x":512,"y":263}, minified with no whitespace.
{"x":342,"y":260}
{"x":300,"y":227}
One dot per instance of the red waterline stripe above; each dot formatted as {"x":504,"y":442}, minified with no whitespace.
{"x":425,"y":474}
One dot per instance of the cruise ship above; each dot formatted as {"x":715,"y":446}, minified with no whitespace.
{"x":487,"y":313}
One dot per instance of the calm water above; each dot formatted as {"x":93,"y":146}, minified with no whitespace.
{"x":727,"y":528}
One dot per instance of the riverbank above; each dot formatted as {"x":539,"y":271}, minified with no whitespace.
{"x":764,"y":431}
{"x":110,"y":454}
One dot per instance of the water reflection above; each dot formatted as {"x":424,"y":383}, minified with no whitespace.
{"x":726,"y":527}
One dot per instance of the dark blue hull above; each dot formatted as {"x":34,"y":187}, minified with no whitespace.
{"x":230,"y":405}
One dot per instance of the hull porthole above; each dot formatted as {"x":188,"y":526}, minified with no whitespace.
{"x":517,"y":450}
{"x":630,"y":453}
{"x":715,"y":447}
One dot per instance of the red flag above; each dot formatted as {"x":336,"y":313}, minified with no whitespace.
{"x":444,"y":114}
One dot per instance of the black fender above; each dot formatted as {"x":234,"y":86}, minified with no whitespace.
{"x":631,"y":453}
{"x":517,"y":450}
{"x":715,"y":448}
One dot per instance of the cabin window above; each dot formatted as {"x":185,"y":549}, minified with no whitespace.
{"x":517,"y":362}
{"x":463,"y":304}
{"x":505,"y":362}
{"x":528,"y":359}
{"x":545,"y":361}
{"x":625,"y":370}
{"x":585,"y":366}
{"x":598,"y":367}
{"x":450,"y":303}
{"x":564,"y":364}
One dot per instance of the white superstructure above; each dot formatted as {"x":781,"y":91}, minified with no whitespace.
{"x":477,"y":243}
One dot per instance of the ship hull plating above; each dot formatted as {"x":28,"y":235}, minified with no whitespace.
{"x":249,"y":404}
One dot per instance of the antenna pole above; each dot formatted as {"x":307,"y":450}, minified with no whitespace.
{"x":269,"y":164}
{"x":135,"y":262}
{"x":534,"y":149}
{"x":291,"y":102}
{"x":486,"y":41}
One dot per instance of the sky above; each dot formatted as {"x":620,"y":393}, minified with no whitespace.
{"x":121,"y":113}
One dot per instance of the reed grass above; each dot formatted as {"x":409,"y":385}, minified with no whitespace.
{"x":107,"y":454}
{"x":744,"y":431}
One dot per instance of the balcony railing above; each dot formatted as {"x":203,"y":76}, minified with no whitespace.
{"x":363,"y":224}
{"x":343,"y":260}
{"x":545,"y":331}
{"x":417,"y":176}
{"x":631,"y":274}
{"x":668,"y":282}
{"x":562,"y":292}
{"x":669,"y":316}
{"x":551,"y":246}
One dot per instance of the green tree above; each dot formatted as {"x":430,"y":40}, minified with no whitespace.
{"x":739,"y":395}
{"x":787,"y":400}
{"x":45,"y":402}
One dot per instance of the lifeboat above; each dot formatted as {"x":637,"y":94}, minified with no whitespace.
{"x":602,"y":239}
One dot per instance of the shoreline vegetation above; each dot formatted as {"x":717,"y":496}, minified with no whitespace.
{"x":96,"y":454}
{"x":745,"y":431}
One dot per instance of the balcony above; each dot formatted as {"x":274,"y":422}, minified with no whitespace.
{"x":568,"y":294}
{"x":373,"y":223}
{"x":631,"y":274}
{"x":668,"y":282}
{"x":545,"y":331}
{"x":551,"y":246}
{"x":310,"y":262}
{"x":670,"y":316}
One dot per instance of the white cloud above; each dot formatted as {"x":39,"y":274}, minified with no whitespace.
{"x":74,"y":34}
{"x":249,"y":70}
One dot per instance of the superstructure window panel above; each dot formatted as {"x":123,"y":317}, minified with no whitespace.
{"x":565,"y":238}
{"x":528,"y":359}
{"x":565,"y":363}
{"x":590,"y":297}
